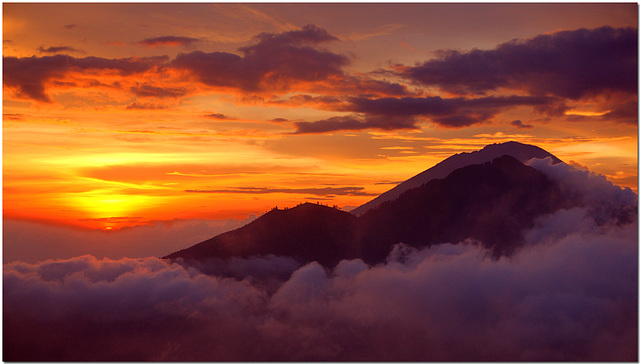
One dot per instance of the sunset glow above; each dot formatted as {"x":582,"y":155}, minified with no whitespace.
{"x":226,"y":110}
{"x":320,"y":182}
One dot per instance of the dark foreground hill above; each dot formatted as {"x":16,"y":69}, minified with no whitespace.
{"x":308,"y":232}
{"x":490,"y":203}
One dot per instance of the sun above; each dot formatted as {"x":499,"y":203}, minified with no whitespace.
{"x":110,"y":211}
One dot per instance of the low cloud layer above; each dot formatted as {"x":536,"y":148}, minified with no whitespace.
{"x":569,"y":295}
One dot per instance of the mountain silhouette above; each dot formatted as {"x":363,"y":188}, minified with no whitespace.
{"x":522,"y":152}
{"x":489,"y":203}
{"x":307,"y":232}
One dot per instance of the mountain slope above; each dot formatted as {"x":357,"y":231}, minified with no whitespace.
{"x":491,"y":203}
{"x":522,"y":152}
{"x":307,"y":232}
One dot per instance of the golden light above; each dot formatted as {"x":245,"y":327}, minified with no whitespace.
{"x":586,"y":113}
{"x":109,"y":211}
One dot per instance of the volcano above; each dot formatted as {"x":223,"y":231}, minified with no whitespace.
{"x":487,"y":197}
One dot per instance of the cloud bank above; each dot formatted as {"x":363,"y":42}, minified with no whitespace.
{"x":569,"y":295}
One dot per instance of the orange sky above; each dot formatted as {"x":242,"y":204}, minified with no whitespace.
{"x":121,"y":114}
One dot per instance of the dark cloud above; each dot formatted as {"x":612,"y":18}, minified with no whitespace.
{"x":355,"y":122}
{"x":168,"y":41}
{"x":145,"y":106}
{"x":29,"y":75}
{"x":625,"y":111}
{"x":309,"y":34}
{"x":159,"y":92}
{"x":275,"y":63}
{"x":520,"y":125}
{"x":70,"y":26}
{"x":13,"y":116}
{"x":220,"y":117}
{"x":391,"y":113}
{"x":279,"y":120}
{"x":60,"y":49}
{"x":571,"y":64}
{"x":325,"y":191}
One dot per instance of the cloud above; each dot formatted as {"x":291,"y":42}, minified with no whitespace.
{"x":325,"y":191}
{"x":354,"y":122}
{"x":29,"y":76}
{"x":393,"y":113}
{"x":13,"y":116}
{"x":159,"y":92}
{"x":146,"y":106}
{"x":605,"y":201}
{"x":570,"y":64}
{"x":520,"y":125}
{"x":275,"y":63}
{"x":220,"y":117}
{"x":309,"y":34}
{"x":60,"y":49}
{"x":169,"y":41}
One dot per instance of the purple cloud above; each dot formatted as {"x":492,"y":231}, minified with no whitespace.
{"x":355,"y":122}
{"x":391,"y":113}
{"x":159,"y":92}
{"x":28,"y":75}
{"x":220,"y":117}
{"x":520,"y":125}
{"x":60,"y":49}
{"x":169,"y":41}
{"x":309,"y":34}
{"x":571,"y":64}
{"x":274,"y":63}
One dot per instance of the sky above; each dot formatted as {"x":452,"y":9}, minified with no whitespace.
{"x":199,"y":117}
{"x":131,"y":131}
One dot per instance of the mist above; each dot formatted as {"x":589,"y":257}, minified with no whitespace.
{"x":33,"y":241}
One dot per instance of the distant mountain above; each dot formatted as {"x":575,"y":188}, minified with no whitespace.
{"x":522,"y":152}
{"x":490,"y":203}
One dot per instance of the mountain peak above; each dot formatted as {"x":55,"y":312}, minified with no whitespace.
{"x":520,"y":151}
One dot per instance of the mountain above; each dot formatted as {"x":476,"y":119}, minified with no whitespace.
{"x":522,"y":152}
{"x":307,"y":232}
{"x":490,"y":203}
